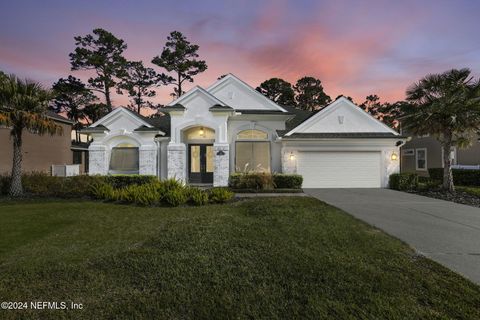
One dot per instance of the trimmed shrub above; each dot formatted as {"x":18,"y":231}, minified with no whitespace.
{"x":436,"y":173}
{"x":142,"y":195}
{"x":122,"y":181}
{"x":103,"y":191}
{"x":265,"y":181}
{"x":254,"y":180}
{"x":287,"y":181}
{"x":175,"y":196}
{"x":461,"y":177}
{"x":44,"y":185}
{"x":220,"y":195}
{"x":403,"y":181}
{"x":197,"y":196}
{"x":172,"y":183}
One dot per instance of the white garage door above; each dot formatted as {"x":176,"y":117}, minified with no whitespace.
{"x":339,"y":169}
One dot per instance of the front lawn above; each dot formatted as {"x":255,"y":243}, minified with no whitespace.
{"x":268,"y":258}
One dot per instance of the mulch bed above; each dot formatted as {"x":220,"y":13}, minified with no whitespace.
{"x":458,"y":197}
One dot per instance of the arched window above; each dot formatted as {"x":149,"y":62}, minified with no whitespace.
{"x":124,"y":159}
{"x":252,"y":134}
{"x":251,"y":153}
{"x":200,"y":133}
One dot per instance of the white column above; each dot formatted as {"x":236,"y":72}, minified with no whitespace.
{"x":97,"y":163}
{"x":176,"y":161}
{"x":147,"y":160}
{"x":222,"y":164}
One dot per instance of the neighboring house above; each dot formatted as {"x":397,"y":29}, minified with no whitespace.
{"x":421,"y":153}
{"x":39,"y":152}
{"x":207,"y":134}
{"x":80,"y":155}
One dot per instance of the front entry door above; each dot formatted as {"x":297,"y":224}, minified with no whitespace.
{"x":201,"y":163}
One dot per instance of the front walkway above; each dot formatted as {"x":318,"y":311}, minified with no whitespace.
{"x":446,"y":232}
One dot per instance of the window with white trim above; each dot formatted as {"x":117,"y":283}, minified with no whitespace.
{"x":252,"y":151}
{"x":421,"y":159}
{"x":124,"y":159}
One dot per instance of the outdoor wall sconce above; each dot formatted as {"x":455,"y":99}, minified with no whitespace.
{"x":202,"y":132}
{"x":292,"y":156}
{"x":394,"y":156}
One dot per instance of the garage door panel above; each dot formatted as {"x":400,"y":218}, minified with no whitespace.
{"x":339,"y":169}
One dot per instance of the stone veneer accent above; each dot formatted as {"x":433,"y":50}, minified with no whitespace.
{"x":288,"y":166}
{"x":147,"y":160}
{"x":176,"y":161}
{"x":97,"y":160}
{"x":390,"y":166}
{"x":222,"y":165}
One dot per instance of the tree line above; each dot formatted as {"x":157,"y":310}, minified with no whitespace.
{"x":103,"y":53}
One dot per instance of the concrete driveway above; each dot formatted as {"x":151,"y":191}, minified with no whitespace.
{"x":446,"y":232}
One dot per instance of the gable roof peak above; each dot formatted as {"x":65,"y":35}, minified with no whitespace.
{"x":331,"y":108}
{"x":192,"y":91}
{"x":121,"y":109}
{"x":231,"y":77}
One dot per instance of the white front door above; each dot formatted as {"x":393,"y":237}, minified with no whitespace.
{"x":340,"y":169}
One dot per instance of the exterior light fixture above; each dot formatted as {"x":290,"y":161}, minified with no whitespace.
{"x":394,"y":156}
{"x":202,"y":132}
{"x":292,"y":156}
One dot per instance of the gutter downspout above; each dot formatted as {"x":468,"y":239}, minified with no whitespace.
{"x":159,"y":148}
{"x":158,"y":142}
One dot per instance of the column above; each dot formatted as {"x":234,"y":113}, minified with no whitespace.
{"x":222,"y":164}
{"x":176,"y":161}
{"x":147,"y":160}
{"x":97,"y":155}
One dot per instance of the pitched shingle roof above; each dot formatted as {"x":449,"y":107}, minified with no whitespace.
{"x":300,"y":116}
{"x":55,"y":116}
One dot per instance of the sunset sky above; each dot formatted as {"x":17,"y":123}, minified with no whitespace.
{"x":355,"y":47}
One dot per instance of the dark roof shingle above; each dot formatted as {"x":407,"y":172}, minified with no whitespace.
{"x":57,"y":117}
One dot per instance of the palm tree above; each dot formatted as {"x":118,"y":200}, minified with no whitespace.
{"x":23,"y":106}
{"x":446,"y":106}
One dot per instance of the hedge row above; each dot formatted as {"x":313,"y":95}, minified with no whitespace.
{"x":44,"y":185}
{"x":403,"y":181}
{"x":461,"y":177}
{"x":135,"y":189}
{"x":265,"y":181}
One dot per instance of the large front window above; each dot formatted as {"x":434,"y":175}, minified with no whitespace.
{"x":251,"y":153}
{"x":124,"y":159}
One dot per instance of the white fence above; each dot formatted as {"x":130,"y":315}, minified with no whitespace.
{"x":65,"y":170}
{"x":461,"y":166}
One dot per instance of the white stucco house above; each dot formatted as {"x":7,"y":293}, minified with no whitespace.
{"x":207,"y":134}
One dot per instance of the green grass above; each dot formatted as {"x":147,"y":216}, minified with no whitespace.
{"x":474,"y":191}
{"x":275,"y":258}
